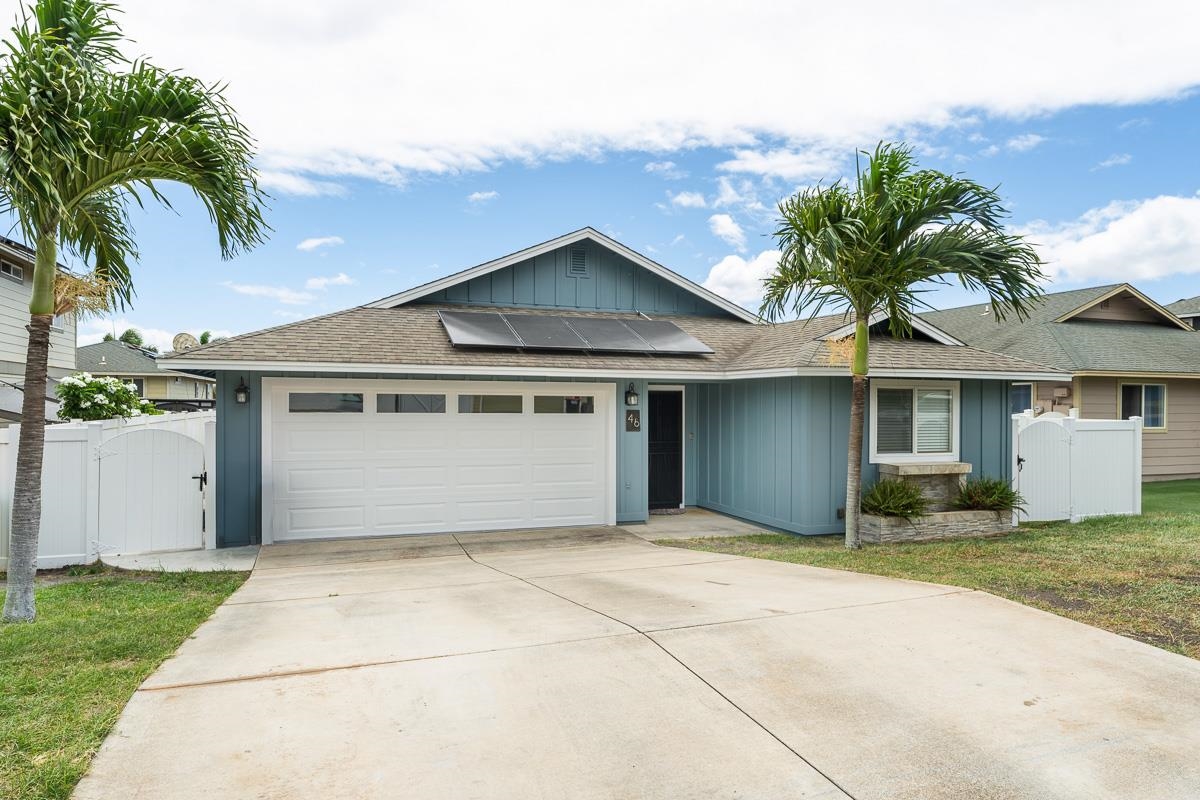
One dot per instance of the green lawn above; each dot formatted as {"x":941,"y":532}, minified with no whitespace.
{"x":65,"y":678}
{"x":1137,"y":576}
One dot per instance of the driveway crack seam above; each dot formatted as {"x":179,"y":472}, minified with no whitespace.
{"x":678,"y":661}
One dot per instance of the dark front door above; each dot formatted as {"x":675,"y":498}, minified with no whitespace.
{"x":665,"y":430}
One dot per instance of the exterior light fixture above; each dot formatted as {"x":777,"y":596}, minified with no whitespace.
{"x":241,"y":395}
{"x":631,"y":396}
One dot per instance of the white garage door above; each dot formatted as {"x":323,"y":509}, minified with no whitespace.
{"x":361,"y":458}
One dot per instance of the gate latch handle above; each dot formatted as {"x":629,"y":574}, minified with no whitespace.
{"x":203,"y":478}
{"x":1020,"y":463}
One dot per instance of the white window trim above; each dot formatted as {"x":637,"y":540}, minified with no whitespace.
{"x":916,"y":458}
{"x":1032,"y":396}
{"x":1120,"y":402}
{"x":19,"y":277}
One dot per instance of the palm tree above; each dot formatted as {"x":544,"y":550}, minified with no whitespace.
{"x":83,"y":132}
{"x":875,"y":247}
{"x":205,"y":337}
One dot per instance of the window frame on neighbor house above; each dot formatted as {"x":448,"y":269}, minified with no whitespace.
{"x":913,"y":455}
{"x":14,"y":272}
{"x":1032,"y":397}
{"x":1123,"y":414}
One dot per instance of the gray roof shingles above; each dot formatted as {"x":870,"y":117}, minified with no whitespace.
{"x":119,"y":359}
{"x":1076,"y":345}
{"x":413,"y":335}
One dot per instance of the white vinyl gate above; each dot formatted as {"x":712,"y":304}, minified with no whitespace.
{"x":151,"y":497}
{"x":1071,"y":468}
{"x":118,"y":486}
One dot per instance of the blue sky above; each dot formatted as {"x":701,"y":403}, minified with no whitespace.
{"x":393,"y":162}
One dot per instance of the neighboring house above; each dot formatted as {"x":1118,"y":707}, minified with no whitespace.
{"x":1127,"y":355}
{"x":1187,"y":310}
{"x":169,"y":390}
{"x":609,"y":387}
{"x":16,"y":288}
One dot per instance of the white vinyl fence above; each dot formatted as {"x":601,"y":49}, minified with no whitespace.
{"x":1072,"y":468}
{"x":118,"y":486}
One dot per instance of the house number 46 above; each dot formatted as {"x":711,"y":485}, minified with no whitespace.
{"x":633,"y":420}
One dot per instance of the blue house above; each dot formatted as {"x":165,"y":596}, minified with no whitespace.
{"x":574,"y":383}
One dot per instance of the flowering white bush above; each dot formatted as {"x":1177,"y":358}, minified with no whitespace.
{"x":82,"y":396}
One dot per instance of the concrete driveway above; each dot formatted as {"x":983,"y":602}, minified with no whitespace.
{"x":593,"y":664}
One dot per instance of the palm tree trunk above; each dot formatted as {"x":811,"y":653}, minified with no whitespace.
{"x":27,"y":491}
{"x":858,"y":402}
{"x":858,"y":397}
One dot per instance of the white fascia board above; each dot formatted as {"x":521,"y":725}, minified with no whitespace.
{"x":652,"y":374}
{"x":918,"y":324}
{"x":562,"y":241}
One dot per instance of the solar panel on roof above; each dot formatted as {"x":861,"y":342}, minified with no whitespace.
{"x":548,"y":332}
{"x":666,"y":337}
{"x":551,"y":333}
{"x":478,"y":329}
{"x":612,"y":335}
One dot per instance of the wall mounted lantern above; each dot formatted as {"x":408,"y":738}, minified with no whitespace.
{"x":631,"y":396}
{"x":241,"y":395}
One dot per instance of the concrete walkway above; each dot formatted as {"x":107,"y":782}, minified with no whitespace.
{"x":592,"y":664}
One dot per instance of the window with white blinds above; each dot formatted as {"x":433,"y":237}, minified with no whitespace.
{"x":914,"y":421}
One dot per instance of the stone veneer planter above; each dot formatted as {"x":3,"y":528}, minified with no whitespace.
{"x":938,"y":525}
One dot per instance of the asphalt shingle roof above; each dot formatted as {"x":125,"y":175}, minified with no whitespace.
{"x":1076,"y":345}
{"x":1189,"y":306}
{"x":413,"y":335}
{"x":118,"y":359}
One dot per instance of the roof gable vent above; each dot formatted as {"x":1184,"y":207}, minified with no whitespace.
{"x":577,"y":263}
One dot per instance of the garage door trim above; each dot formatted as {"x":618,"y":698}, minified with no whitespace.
{"x":605,"y":394}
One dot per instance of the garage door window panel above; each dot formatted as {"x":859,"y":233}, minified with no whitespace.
{"x":325,"y":402}
{"x":490,"y":404}
{"x":410,"y":404}
{"x":564,"y":404}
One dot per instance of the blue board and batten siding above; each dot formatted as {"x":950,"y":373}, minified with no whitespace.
{"x":238,"y":480}
{"x":610,"y":283}
{"x":769,"y":450}
{"x":774,"y":450}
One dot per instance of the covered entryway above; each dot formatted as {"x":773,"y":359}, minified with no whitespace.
{"x":346,"y":458}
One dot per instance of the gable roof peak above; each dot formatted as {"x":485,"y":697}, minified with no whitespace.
{"x":566,"y":239}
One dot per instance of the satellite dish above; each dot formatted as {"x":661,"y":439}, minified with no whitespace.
{"x":184,"y":341}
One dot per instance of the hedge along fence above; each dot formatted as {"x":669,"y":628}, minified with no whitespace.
{"x":73,"y":530}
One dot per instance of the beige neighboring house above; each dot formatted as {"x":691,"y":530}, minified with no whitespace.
{"x":1128,"y":356}
{"x":167,"y":389}
{"x":16,"y":287}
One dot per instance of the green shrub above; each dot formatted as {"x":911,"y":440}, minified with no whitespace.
{"x":894,"y":498}
{"x":987,"y":494}
{"x":85,"y":397}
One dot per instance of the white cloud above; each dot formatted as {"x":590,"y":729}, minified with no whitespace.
{"x":725,"y":228}
{"x":289,"y":183}
{"x":793,"y":165}
{"x":687,"y":200}
{"x":322,"y":283}
{"x":666,"y":169}
{"x":279,"y":312}
{"x":1115,"y":160}
{"x":739,"y":280}
{"x":1123,"y":241}
{"x":283,"y":294}
{"x":94,"y":330}
{"x":317,"y":242}
{"x":477,"y":198}
{"x":744,"y":196}
{"x":462,"y":115}
{"x":1025,"y":142}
